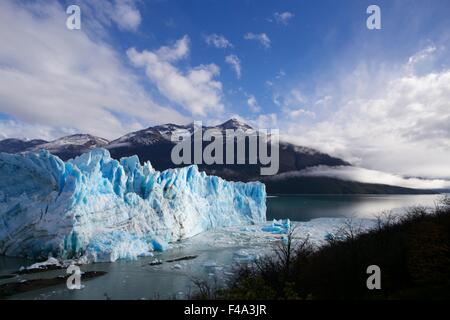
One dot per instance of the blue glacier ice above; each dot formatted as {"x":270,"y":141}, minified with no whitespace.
{"x":278,"y":227}
{"x":99,"y":209}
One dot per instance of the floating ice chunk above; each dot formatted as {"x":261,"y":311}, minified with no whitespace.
{"x":76,"y":286}
{"x":278,"y":227}
{"x":211,"y":267}
{"x":210,"y":264}
{"x":156,"y":262}
{"x":43,"y":265}
{"x":246,"y":255}
{"x":95,"y":208}
{"x":241,"y":253}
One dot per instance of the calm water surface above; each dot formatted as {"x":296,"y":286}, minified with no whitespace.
{"x":307,"y":207}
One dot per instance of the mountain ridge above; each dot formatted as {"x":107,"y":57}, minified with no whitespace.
{"x":154,"y":144}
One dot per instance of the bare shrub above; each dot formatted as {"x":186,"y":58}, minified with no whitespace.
{"x":386,"y":219}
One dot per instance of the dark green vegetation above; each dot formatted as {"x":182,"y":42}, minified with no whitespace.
{"x":413,"y":252}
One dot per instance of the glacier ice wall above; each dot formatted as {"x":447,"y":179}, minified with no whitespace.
{"x":96,"y":208}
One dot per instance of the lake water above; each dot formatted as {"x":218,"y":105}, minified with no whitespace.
{"x":217,"y":251}
{"x":307,"y":207}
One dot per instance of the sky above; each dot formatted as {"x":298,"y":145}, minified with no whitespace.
{"x":379,"y":99}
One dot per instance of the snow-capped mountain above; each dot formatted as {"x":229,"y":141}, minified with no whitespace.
{"x":233,"y":124}
{"x":65,"y":147}
{"x":85,"y":141}
{"x":144,"y":137}
{"x":154,"y":144}
{"x":17,"y":145}
{"x":152,"y":135}
{"x":167,"y":130}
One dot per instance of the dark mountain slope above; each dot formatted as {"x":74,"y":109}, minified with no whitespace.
{"x":154,"y":144}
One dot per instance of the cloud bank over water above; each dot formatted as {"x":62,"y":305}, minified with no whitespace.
{"x":368,"y":176}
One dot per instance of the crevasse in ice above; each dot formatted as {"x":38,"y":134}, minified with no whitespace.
{"x":96,"y":208}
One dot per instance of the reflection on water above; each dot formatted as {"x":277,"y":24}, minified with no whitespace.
{"x":307,"y":207}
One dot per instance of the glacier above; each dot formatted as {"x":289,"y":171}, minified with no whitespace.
{"x":95,"y":208}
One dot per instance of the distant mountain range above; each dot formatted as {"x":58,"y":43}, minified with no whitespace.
{"x":154,"y":144}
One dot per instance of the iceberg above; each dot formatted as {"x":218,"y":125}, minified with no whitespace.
{"x":95,"y":208}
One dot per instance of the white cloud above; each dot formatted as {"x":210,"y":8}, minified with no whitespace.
{"x":179,"y":50}
{"x":294,"y":98}
{"x":195,"y":90}
{"x":284,"y":17}
{"x":324,"y":101}
{"x":297,"y":113}
{"x":262,"y":38}
{"x":290,"y":104}
{"x":103,"y":13}
{"x":266,"y":121}
{"x":21,"y":130}
{"x":253,"y":104}
{"x":218,"y":41}
{"x":126,"y":15}
{"x":62,"y":81}
{"x":391,"y":119}
{"x":423,"y":61}
{"x":235,"y":63}
{"x":421,"y":55}
{"x":369,"y":176}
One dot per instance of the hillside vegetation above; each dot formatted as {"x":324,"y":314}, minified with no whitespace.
{"x":412,"y":251}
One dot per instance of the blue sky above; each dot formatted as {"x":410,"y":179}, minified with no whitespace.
{"x":310,"y":68}
{"x":320,"y":38}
